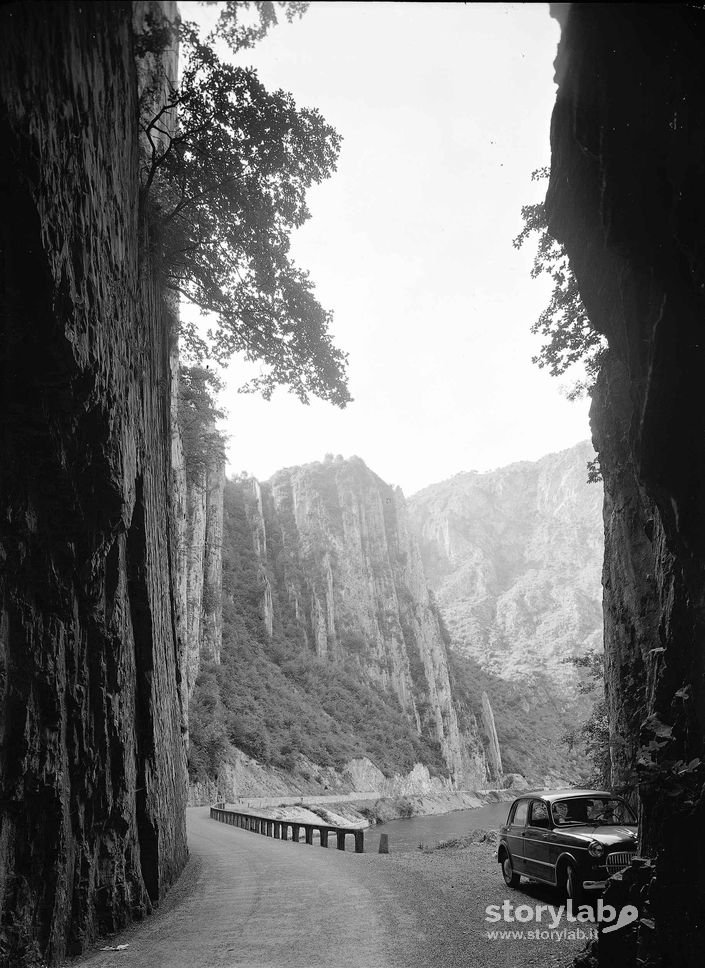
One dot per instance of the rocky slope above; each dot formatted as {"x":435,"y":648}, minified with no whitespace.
{"x":625,"y":197}
{"x":92,"y":761}
{"x":514,"y":557}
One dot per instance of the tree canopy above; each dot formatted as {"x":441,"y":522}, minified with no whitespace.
{"x":569,"y":336}
{"x":226,"y":185}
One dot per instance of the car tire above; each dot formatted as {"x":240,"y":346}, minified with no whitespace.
{"x":511,"y":878}
{"x":571,"y":884}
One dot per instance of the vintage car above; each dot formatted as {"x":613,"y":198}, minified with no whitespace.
{"x":573,"y":839}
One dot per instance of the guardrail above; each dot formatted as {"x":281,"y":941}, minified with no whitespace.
{"x":279,"y":829}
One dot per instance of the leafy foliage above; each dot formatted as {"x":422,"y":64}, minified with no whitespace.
{"x":569,"y":337}
{"x":594,"y":470}
{"x":225,"y":176}
{"x":592,"y":737}
{"x":243,"y":23}
{"x":197,"y":415}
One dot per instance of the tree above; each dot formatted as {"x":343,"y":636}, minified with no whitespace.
{"x":197,"y":415}
{"x":569,"y":336}
{"x":225,"y":184}
{"x":593,"y":735}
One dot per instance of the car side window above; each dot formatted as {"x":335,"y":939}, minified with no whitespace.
{"x":520,"y":813}
{"x":539,"y":814}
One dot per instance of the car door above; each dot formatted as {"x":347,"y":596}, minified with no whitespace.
{"x":516,"y":827}
{"x":537,"y":843}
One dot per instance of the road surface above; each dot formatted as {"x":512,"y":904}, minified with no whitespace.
{"x":248,"y":901}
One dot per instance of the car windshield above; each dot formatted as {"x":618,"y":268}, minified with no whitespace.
{"x":596,"y":811}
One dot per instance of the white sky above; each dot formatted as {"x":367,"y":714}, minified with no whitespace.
{"x":444,"y":110}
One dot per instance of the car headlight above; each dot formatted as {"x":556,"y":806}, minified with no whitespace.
{"x":596,"y":849}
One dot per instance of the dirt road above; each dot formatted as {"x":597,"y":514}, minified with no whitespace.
{"x":247,"y":901}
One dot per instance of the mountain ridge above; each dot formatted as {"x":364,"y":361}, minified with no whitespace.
{"x":327,"y":610}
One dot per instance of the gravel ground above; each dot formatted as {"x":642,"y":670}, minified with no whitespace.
{"x":449,"y":890}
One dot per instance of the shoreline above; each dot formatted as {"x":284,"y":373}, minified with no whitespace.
{"x":384,"y":809}
{"x":369,"y":809}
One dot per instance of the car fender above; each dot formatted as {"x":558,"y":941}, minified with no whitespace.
{"x":503,"y":845}
{"x":564,"y":858}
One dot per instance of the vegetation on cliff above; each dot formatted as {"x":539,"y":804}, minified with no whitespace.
{"x":514,"y":558}
{"x":197,"y":414}
{"x":569,"y":338}
{"x":591,"y":736}
{"x":226,"y":168}
{"x":274,"y":698}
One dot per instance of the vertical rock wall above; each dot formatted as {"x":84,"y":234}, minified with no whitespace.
{"x":353,"y":573}
{"x":626,"y":198}
{"x":494,"y":753}
{"x":204,"y":564}
{"x":92,"y":760}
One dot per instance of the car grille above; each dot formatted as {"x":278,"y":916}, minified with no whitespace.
{"x":618,"y":860}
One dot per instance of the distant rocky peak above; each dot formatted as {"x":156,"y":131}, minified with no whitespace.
{"x":514,"y":557}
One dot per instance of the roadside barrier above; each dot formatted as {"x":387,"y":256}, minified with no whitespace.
{"x":279,"y":829}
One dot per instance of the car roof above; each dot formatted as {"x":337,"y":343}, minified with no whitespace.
{"x":552,"y":795}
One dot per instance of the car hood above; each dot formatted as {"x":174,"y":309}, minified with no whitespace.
{"x":609,"y":835}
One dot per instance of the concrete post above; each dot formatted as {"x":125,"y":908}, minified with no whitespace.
{"x":324,"y":837}
{"x":341,"y":839}
{"x":383,"y":844}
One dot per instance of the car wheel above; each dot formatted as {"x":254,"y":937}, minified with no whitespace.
{"x":572,"y":885}
{"x":511,"y":878}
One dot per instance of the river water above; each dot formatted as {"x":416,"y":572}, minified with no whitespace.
{"x":406,"y":835}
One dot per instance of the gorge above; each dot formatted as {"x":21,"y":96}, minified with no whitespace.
{"x":326,"y":607}
{"x":113,"y":651}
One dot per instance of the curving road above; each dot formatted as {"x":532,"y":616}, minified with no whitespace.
{"x":247,"y":901}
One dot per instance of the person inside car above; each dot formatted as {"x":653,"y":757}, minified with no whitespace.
{"x":560,"y":812}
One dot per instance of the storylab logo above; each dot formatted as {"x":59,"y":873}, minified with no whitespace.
{"x":556,"y":921}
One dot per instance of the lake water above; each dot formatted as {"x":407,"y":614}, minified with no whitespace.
{"x":405,"y":835}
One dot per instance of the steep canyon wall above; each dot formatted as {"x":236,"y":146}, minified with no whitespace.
{"x":352,"y":572}
{"x":514,"y":559}
{"x":625,"y":196}
{"x":92,"y":760}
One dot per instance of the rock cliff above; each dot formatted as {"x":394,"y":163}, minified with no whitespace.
{"x":354,"y":575}
{"x":625,"y":197}
{"x":514,"y":557}
{"x":92,"y":760}
{"x":203,"y":538}
{"x":332,"y":648}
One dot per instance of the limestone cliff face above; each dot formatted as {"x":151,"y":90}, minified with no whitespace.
{"x":92,"y":761}
{"x":203,"y":540}
{"x":351,"y":571}
{"x":625,"y":196}
{"x":514,"y":557}
{"x":494,"y":752}
{"x":179,"y":536}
